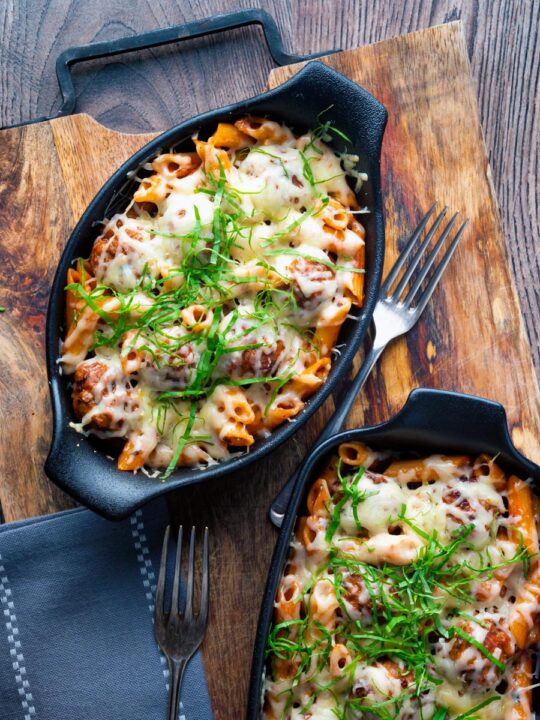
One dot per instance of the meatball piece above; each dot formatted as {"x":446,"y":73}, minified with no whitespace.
{"x":261,"y":361}
{"x":97,"y":384}
{"x":460,"y":659}
{"x":119,"y":254}
{"x":478,"y":509}
{"x":109,"y":244}
{"x":104,"y":250}
{"x":357,"y":599}
{"x":175,"y":374}
{"x":313,"y":282}
{"x":455,"y":498}
{"x":398,"y":673}
{"x":168,"y":367}
{"x":86,"y":378}
{"x":467,"y":511}
{"x":360,"y":598}
{"x":379,"y":682}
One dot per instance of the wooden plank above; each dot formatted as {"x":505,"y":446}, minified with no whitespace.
{"x":472,"y":338}
{"x":88,"y":153}
{"x":34,"y":219}
{"x":50,"y":173}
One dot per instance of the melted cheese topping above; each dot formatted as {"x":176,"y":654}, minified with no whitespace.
{"x":399,"y":596}
{"x":231,"y":267}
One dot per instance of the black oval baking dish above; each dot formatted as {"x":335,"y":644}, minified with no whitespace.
{"x":431,"y":421}
{"x":79,"y":464}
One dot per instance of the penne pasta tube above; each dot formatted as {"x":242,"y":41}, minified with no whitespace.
{"x":346,"y":197}
{"x":173,"y":166}
{"x":323,"y":603}
{"x":287,"y":605}
{"x":137,"y":450}
{"x":358,"y":278}
{"x":215,"y":160}
{"x":485,"y":466}
{"x":335,"y":216}
{"x":318,"y":498}
{"x":326,"y":338}
{"x":197,"y":318}
{"x":80,"y":335}
{"x":525,"y":609}
{"x":230,"y":137}
{"x":153,"y":189}
{"x":310,"y":379}
{"x":74,"y":302}
{"x":520,"y":502}
{"x":236,"y":434}
{"x":310,"y":532}
{"x":419,"y":469}
{"x":339,"y":658}
{"x":354,"y":453}
{"x":335,"y":314}
{"x":284,"y":408}
{"x":264,"y":130}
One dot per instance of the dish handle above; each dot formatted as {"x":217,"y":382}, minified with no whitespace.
{"x":166,"y":36}
{"x":438,"y":413}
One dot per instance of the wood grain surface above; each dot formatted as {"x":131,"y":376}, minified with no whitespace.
{"x":472,"y":339}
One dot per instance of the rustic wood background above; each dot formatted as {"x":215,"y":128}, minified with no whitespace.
{"x":501,"y":39}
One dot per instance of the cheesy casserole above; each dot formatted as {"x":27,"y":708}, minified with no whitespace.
{"x":411,"y":592}
{"x":209,"y":308}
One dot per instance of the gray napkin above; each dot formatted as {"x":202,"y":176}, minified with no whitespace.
{"x":76,"y":632}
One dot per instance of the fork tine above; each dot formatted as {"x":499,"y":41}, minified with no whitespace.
{"x":160,"y":589}
{"x":428,"y":292}
{"x":429,"y":261}
{"x":191,"y":571}
{"x":177,"y":566}
{"x":392,"y":275}
{"x":203,"y":613}
{"x":418,"y":256}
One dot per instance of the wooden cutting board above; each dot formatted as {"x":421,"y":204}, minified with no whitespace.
{"x":471,"y":337}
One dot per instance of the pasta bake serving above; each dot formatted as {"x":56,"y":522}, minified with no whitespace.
{"x":411,"y":591}
{"x":209,"y":308}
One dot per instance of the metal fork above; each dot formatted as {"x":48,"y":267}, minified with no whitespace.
{"x":180,"y":633}
{"x":396,"y":312}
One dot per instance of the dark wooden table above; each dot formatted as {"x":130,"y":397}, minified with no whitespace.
{"x":154,"y":90}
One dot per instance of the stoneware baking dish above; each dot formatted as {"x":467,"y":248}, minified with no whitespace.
{"x":431,"y":421}
{"x":78,"y":464}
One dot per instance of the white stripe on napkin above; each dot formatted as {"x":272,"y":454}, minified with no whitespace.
{"x":15,"y":647}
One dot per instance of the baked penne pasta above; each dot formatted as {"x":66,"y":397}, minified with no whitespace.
{"x":229,"y":273}
{"x":410,"y":592}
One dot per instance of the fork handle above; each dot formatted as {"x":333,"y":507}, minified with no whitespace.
{"x":176,"y":674}
{"x":334,"y":425}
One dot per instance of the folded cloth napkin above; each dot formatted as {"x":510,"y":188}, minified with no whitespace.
{"x":76,"y":632}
